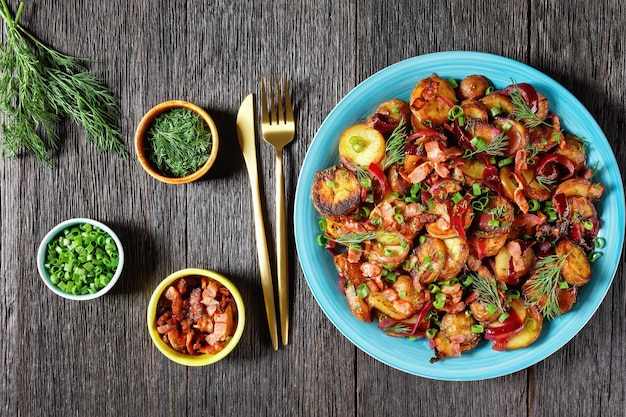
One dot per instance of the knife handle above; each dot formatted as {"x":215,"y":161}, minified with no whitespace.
{"x":264,"y":261}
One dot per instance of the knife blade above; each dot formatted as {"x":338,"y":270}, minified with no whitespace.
{"x":247,"y":141}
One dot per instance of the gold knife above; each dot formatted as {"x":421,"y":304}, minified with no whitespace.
{"x":247,"y":141}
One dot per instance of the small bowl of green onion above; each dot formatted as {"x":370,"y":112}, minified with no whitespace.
{"x":176,"y":142}
{"x":80,"y":259}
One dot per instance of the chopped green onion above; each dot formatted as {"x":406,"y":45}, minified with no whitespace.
{"x":323,"y":224}
{"x":433,"y":288}
{"x":358,"y":144}
{"x":504,"y":162}
{"x":563,"y":285}
{"x":530,"y":323}
{"x":495,"y":111}
{"x":431,"y":333}
{"x":503,"y":317}
{"x":456,"y":198}
{"x":533,"y":205}
{"x":453,"y":82}
{"x":467,"y":281}
{"x":477,"y":328}
{"x":476,"y":189}
{"x":440,"y":300}
{"x":594,"y":256}
{"x":362,"y":290}
{"x":512,"y":294}
{"x":455,"y":112}
{"x":493,"y":223}
{"x":79,"y":256}
{"x":491,"y":309}
{"x":599,"y":243}
{"x":588,"y":225}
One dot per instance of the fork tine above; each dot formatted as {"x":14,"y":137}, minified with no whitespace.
{"x":273,"y":114}
{"x":279,"y":103}
{"x":265,"y":116}
{"x":288,"y":108}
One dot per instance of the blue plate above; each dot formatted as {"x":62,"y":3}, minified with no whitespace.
{"x":413,"y":356}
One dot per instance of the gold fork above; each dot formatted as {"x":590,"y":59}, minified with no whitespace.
{"x":278,"y":129}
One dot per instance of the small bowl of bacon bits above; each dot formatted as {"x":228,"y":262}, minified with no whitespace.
{"x":196,"y":317}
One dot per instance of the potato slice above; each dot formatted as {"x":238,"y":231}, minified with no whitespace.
{"x":576,"y":269}
{"x":378,"y":301}
{"x":580,"y":187}
{"x":457,"y":250}
{"x":430,"y":101}
{"x":498,"y":103}
{"x":336,"y":191}
{"x":515,"y":131}
{"x":502,"y":263}
{"x":357,"y":305}
{"x":362,"y":145}
{"x":532,"y":320}
{"x":431,"y":256}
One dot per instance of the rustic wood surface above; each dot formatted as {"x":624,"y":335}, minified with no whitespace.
{"x":64,"y":358}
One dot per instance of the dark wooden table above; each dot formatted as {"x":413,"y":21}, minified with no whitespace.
{"x":67,"y":358}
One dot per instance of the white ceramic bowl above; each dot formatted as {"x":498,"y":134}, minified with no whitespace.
{"x":42,"y":252}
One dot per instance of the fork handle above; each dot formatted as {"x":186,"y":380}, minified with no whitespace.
{"x":282,"y":259}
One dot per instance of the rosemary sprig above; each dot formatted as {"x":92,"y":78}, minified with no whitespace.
{"x":353,"y":240}
{"x":496,"y":147}
{"x":39,"y":86}
{"x":488,"y":293}
{"x":522,"y":112}
{"x":394,"y":150}
{"x":543,"y":285}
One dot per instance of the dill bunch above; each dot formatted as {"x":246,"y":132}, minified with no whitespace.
{"x":39,"y":86}
{"x":179,"y":142}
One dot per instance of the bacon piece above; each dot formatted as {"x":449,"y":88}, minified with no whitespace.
{"x":434,"y":152}
{"x":174,"y":296}
{"x":421,"y":172}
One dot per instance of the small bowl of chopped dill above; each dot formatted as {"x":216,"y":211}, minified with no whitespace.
{"x":176,"y":142}
{"x":80,"y":259}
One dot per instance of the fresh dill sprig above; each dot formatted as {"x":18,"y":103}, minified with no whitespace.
{"x":39,"y":86}
{"x":522,"y":112}
{"x":545,"y":182}
{"x":353,"y":240}
{"x":542,"y":286}
{"x":394,"y":149}
{"x":179,"y":142}
{"x":497,"y":147}
{"x":488,"y":293}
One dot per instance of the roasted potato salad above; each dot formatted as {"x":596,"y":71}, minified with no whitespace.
{"x":463,"y":214}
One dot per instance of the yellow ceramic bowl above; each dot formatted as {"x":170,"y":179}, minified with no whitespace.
{"x":140,"y":141}
{"x":183,"y":358}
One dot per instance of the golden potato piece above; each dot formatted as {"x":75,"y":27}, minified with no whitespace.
{"x":532,"y":320}
{"x":575,"y":269}
{"x":473,"y":87}
{"x":357,"y":305}
{"x":430,"y":101}
{"x":336,"y":191}
{"x":498,"y":103}
{"x":457,"y":250}
{"x":362,"y":145}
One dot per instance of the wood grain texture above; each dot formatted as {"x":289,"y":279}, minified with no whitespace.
{"x":64,"y":358}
